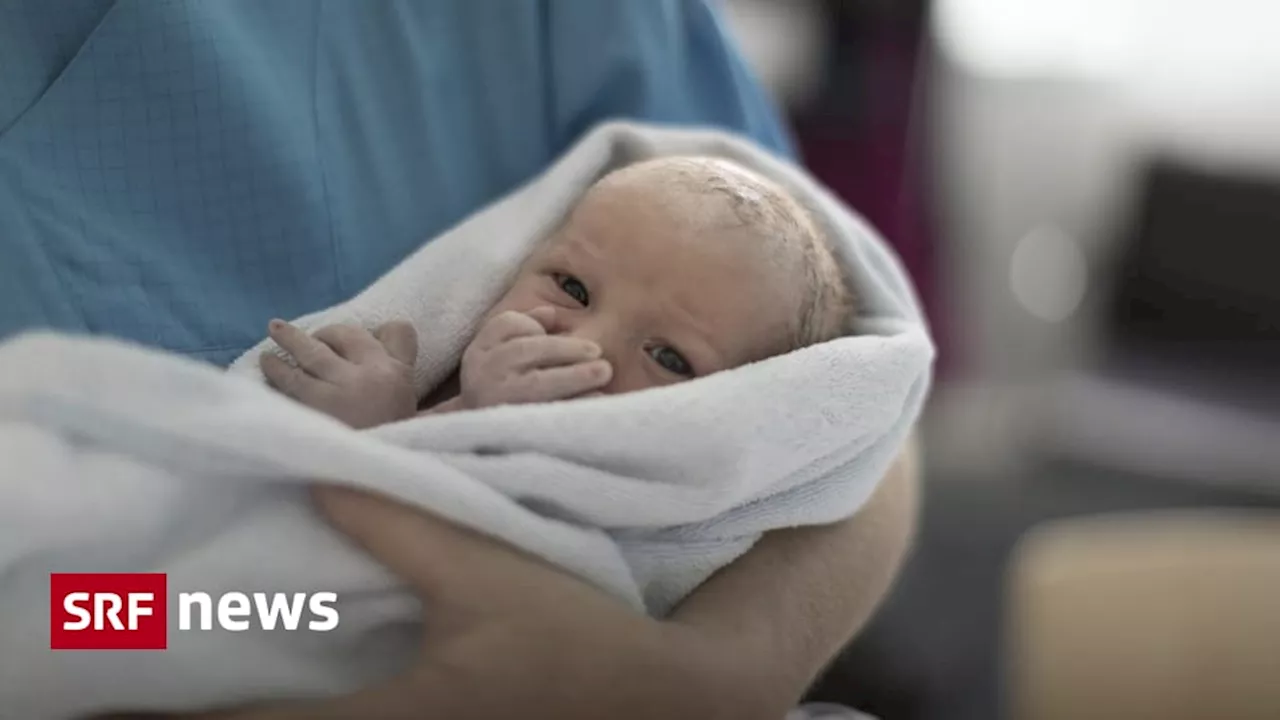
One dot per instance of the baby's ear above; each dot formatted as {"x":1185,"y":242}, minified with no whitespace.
{"x":400,"y":340}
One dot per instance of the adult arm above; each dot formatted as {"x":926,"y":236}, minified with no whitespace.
{"x":512,"y":636}
{"x":779,"y":614}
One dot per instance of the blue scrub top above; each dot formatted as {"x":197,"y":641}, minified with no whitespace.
{"x":177,"y":173}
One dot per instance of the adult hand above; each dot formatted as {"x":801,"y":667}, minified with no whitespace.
{"x":512,"y":637}
{"x":515,"y":359}
{"x":361,"y":378}
{"x":508,"y":636}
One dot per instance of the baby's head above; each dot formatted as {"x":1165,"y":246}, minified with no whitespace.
{"x":681,"y":267}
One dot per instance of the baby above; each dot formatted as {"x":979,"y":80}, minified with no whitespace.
{"x":665,"y":271}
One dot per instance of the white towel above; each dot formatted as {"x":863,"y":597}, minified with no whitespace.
{"x":123,"y":459}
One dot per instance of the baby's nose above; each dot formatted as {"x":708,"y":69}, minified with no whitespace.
{"x":590,"y":331}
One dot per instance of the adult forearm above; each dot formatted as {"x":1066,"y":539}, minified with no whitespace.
{"x":745,"y":645}
{"x":779,"y":614}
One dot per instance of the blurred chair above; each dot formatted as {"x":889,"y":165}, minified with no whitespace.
{"x":1168,"y":615}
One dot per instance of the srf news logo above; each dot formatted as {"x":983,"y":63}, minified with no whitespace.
{"x":129,"y":611}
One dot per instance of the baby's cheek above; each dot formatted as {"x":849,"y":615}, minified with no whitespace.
{"x":529,"y":294}
{"x":552,"y":295}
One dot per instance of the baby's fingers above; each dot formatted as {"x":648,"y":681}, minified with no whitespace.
{"x":312,"y":355}
{"x":509,"y":325}
{"x":544,"y":351}
{"x":560,"y":383}
{"x":400,"y":340}
{"x":290,"y":380}
{"x":350,"y":342}
{"x":545,"y":315}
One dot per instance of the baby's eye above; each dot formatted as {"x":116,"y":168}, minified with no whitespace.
{"x":574,"y":288}
{"x":671,"y":361}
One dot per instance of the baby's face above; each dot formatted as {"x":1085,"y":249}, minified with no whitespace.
{"x":666,"y":293}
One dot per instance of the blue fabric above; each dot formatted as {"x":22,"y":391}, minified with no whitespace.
{"x":177,"y":173}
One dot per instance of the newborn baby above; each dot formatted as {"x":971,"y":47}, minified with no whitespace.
{"x":665,"y":271}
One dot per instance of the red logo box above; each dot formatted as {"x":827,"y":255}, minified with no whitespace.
{"x":108,"y":611}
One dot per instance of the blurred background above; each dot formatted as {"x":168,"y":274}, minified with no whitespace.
{"x":1087,"y":193}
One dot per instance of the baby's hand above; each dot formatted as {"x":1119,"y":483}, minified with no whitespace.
{"x":361,"y":378}
{"x":513,"y":359}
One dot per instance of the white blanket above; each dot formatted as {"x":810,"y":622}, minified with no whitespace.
{"x":118,"y":458}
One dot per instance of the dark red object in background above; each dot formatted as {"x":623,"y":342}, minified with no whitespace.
{"x":862,"y":136}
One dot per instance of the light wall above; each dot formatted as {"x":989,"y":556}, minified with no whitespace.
{"x":1040,"y":114}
